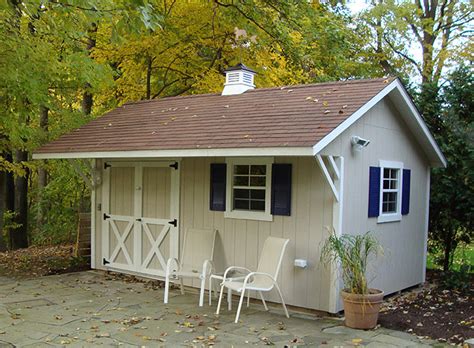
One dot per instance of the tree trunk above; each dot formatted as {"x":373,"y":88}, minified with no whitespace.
{"x":448,"y":247}
{"x":87,"y":97}
{"x":19,"y":235}
{"x":9,"y":190}
{"x":3,"y":187}
{"x":148,"y":77}
{"x":42,"y":173}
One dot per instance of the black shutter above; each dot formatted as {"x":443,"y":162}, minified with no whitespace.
{"x":281,"y":189}
{"x":374,"y":191}
{"x":218,"y":186}
{"x":406,"y":191}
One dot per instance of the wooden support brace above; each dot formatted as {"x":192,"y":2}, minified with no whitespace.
{"x":328,"y":177}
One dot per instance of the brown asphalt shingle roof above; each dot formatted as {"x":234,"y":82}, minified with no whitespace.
{"x":294,"y":116}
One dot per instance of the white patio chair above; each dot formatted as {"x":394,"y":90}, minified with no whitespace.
{"x":195,"y":261}
{"x":264,"y":279}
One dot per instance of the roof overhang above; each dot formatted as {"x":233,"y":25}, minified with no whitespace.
{"x":407,"y":109}
{"x":226,"y":152}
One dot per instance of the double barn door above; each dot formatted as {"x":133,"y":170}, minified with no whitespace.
{"x":140,"y":216}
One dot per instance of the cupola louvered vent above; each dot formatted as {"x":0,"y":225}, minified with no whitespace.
{"x":239,"y":79}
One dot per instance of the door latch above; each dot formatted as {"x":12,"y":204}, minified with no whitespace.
{"x":173,"y":222}
{"x":105,"y":262}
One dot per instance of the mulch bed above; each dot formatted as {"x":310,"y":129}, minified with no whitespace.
{"x":433,"y":311}
{"x":37,"y":261}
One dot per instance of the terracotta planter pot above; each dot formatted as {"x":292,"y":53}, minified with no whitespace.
{"x":362,"y":311}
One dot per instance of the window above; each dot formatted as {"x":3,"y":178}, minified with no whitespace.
{"x":390,"y":191}
{"x":249,"y":185}
{"x":248,"y":195}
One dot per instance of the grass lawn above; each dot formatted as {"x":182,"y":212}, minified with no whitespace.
{"x":464,"y":255}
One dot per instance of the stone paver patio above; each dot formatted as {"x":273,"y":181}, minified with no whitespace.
{"x":93,"y":308}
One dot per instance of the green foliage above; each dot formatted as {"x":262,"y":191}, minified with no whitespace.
{"x":352,"y":253}
{"x":63,"y":197}
{"x":452,"y":189}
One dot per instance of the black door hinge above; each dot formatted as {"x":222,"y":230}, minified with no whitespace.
{"x":173,"y":222}
{"x":174,"y":165}
{"x":105,"y":262}
{"x":107,"y":165}
{"x":139,"y":219}
{"x":106,"y":216}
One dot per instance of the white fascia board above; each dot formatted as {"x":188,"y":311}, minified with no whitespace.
{"x":231,"y":152}
{"x":414,"y":114}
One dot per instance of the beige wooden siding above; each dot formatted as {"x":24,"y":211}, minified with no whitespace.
{"x":404,"y":241}
{"x":240,"y":241}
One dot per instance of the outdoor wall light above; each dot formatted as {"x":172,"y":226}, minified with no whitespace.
{"x":359,"y":143}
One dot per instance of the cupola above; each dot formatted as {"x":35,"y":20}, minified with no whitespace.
{"x":238,"y":79}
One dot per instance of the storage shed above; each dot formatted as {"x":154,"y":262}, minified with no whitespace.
{"x":294,"y":162}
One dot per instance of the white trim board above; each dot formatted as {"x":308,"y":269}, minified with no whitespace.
{"x":230,"y":152}
{"x":407,"y":110}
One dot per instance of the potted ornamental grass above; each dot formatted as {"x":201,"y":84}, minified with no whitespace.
{"x":352,"y":254}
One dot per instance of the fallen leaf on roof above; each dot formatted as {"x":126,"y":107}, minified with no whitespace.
{"x":173,"y":118}
{"x":344,"y":106}
{"x":186,"y":107}
{"x":385,"y":81}
{"x":226,"y":106}
{"x":290,"y":90}
{"x":325,"y":103}
{"x":246,"y":136}
{"x":327,"y":111}
{"x":315,"y":100}
{"x":341,"y":111}
{"x":309,"y":98}
{"x":194,"y":115}
{"x":282,"y":87}
{"x":110,"y":124}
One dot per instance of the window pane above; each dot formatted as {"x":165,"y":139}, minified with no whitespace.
{"x":257,"y":181}
{"x":393,"y":173}
{"x":386,"y":173}
{"x":240,"y":193}
{"x":257,"y":194}
{"x":241,"y":181}
{"x":241,"y":204}
{"x":258,"y":170}
{"x":241,"y":169}
{"x":386,"y":184}
{"x":393,"y":184}
{"x":257,"y":205}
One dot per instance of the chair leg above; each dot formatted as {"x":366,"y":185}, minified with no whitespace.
{"x":229,"y":299}
{"x":248,"y":299}
{"x":240,"y":306}
{"x":167,"y":288}
{"x":181,"y":285}
{"x":263,"y":300}
{"x":201,"y":293}
{"x":220,"y":300}
{"x":282,"y":300}
{"x":210,"y":291}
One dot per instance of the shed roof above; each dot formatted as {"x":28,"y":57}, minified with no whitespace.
{"x":295,"y":120}
{"x":296,"y":116}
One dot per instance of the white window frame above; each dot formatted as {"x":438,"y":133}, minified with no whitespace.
{"x":247,"y":214}
{"x":397,"y":216}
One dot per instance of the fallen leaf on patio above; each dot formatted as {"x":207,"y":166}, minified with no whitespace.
{"x":58,"y":317}
{"x":211,"y":337}
{"x":356,"y":341}
{"x":104,"y":334}
{"x":65,"y":342}
{"x":200,"y":338}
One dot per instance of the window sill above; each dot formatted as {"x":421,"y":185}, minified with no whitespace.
{"x":248,"y":215}
{"x":389,"y":218}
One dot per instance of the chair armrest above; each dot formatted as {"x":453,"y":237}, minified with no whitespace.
{"x":207,"y":268}
{"x":251,"y":274}
{"x":232,"y":268}
{"x":170,"y":263}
